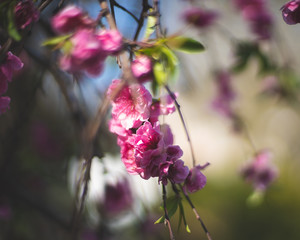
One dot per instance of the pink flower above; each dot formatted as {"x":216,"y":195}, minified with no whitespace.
{"x":4,"y":104}
{"x":164,"y":106}
{"x":200,"y":17}
{"x":142,"y":68}
{"x":150,"y":148}
{"x":3,"y":83}
{"x":258,"y":16}
{"x":178,"y":172}
{"x":260,"y":172}
{"x":118,"y":197}
{"x":196,"y":180}
{"x":111,"y":41}
{"x":86,"y":54}
{"x":128,"y":157}
{"x":70,"y":19}
{"x":291,"y":12}
{"x":25,"y":13}
{"x":225,"y":95}
{"x":11,"y":64}
{"x":132,"y":105}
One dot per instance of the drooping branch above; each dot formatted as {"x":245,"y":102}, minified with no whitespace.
{"x":167,"y":219}
{"x":196,"y":213}
{"x":183,"y":123}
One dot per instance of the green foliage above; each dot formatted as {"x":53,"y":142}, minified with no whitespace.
{"x":185,"y":44}
{"x":12,"y":29}
{"x":245,"y":51}
{"x":150,"y":28}
{"x":59,"y":42}
{"x":172,"y":205}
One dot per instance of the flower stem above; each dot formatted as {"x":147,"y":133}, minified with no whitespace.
{"x":196,"y":213}
{"x":167,"y":219}
{"x":183,"y":123}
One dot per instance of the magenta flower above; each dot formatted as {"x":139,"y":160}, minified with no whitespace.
{"x":291,"y":12}
{"x":258,"y":16}
{"x":200,"y":17}
{"x":86,"y":54}
{"x":128,"y":158}
{"x":150,"y":148}
{"x":11,"y":64}
{"x":260,"y":171}
{"x":4,"y":104}
{"x":178,"y":172}
{"x":3,"y":84}
{"x":164,"y":106}
{"x":70,"y":19}
{"x":142,"y":68}
{"x":225,"y":95}
{"x":118,"y":197}
{"x":25,"y":13}
{"x":132,"y":105}
{"x":111,"y":41}
{"x":196,"y":180}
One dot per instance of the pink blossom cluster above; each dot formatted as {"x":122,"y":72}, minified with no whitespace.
{"x":258,"y":16}
{"x":9,"y":65}
{"x":146,"y":145}
{"x":260,"y":171}
{"x":291,"y":12}
{"x":87,"y":47}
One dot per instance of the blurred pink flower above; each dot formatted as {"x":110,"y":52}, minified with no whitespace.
{"x":199,"y":17}
{"x":25,"y":13}
{"x":260,"y":171}
{"x":70,"y":19}
{"x":291,"y":12}
{"x":225,"y":94}
{"x":86,"y":54}
{"x":257,"y":14}
{"x":142,"y":68}
{"x":11,"y":64}
{"x":111,"y":41}
{"x":4,"y":104}
{"x":118,"y":197}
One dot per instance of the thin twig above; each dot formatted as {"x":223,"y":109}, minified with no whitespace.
{"x":43,"y":5}
{"x":196,"y":213}
{"x":183,"y":123}
{"x":167,"y":219}
{"x":157,"y":24}
{"x":141,"y":19}
{"x":125,"y":10}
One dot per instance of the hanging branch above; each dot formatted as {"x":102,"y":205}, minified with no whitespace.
{"x":140,"y":21}
{"x":196,"y":213}
{"x":125,"y":10}
{"x":183,"y":123}
{"x":167,"y":219}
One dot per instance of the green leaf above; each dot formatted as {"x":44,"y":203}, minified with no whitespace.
{"x":160,"y":220}
{"x":12,"y":30}
{"x":185,"y":44}
{"x":182,"y":218}
{"x":160,"y":73}
{"x":56,"y":40}
{"x":172,"y":205}
{"x":150,"y":28}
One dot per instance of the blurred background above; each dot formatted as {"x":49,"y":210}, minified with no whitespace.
{"x":40,"y":142}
